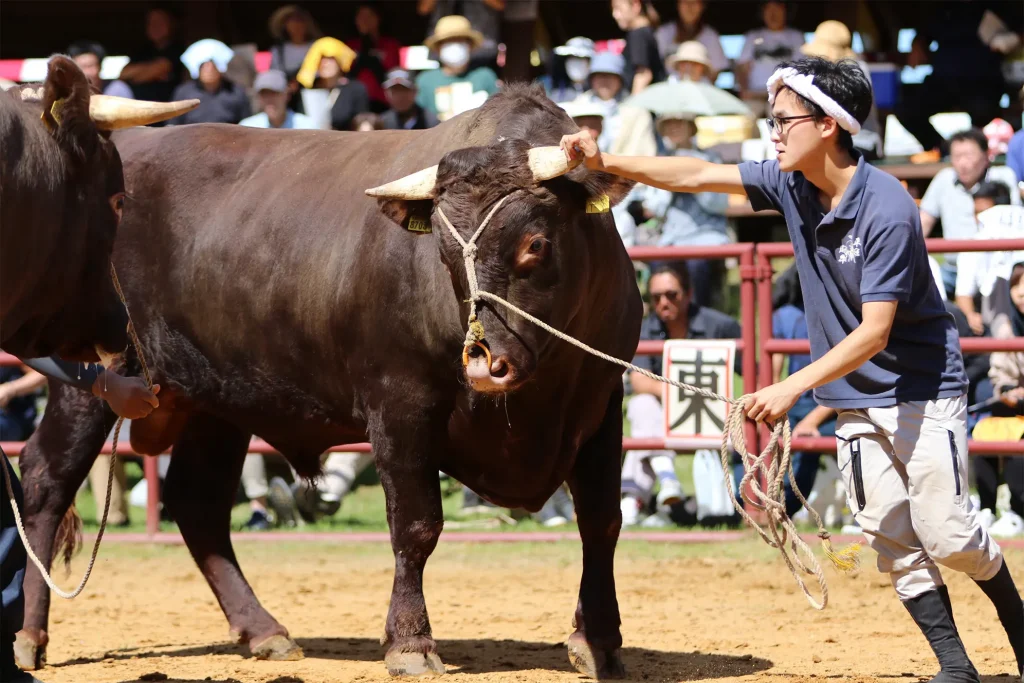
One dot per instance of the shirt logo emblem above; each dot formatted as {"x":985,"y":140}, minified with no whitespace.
{"x":849,"y":251}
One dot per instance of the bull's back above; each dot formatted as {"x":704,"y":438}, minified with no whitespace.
{"x":261,"y":248}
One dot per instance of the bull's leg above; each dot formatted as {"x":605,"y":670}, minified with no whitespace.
{"x":53,"y":465}
{"x":206,"y":466}
{"x":413,"y":491}
{"x":594,"y":649}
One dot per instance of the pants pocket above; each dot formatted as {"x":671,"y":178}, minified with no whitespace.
{"x":857,"y":467}
{"x":954,"y":453}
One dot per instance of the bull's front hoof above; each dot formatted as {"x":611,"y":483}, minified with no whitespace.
{"x":413,"y":664}
{"x":277,"y":648}
{"x":594,"y":662}
{"x":30,"y":652}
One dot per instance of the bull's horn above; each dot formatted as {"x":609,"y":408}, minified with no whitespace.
{"x":419,"y":185}
{"x":111,"y":113}
{"x":550,"y":162}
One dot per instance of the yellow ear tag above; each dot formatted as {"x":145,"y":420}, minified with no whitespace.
{"x":55,"y":112}
{"x":599,"y":204}
{"x":419,"y":224}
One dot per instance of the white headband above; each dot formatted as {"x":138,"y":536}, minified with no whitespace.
{"x":803,"y":84}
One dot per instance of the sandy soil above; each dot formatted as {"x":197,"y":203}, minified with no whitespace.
{"x":501,"y":612}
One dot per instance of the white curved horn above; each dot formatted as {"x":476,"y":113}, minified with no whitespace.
{"x":111,"y":113}
{"x":550,"y":162}
{"x":418,"y":185}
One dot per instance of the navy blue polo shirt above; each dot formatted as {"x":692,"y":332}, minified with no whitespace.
{"x":870,"y":248}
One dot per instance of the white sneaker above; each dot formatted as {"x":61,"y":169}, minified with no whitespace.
{"x":986,"y":518}
{"x":670,"y":493}
{"x":659,"y":520}
{"x":630,"y":508}
{"x":1007,"y":526}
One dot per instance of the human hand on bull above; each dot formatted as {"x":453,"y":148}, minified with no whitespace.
{"x":583,"y":144}
{"x":772,"y":403}
{"x":128,"y":397}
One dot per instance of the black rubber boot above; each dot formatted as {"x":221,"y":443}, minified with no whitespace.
{"x":930,"y":612}
{"x":1010,"y":608}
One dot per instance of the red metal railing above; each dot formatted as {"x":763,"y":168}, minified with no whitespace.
{"x":755,"y":271}
{"x":770,"y":346}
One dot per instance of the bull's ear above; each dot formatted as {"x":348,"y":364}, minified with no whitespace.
{"x":66,"y":107}
{"x":411,"y":214}
{"x":605,"y":189}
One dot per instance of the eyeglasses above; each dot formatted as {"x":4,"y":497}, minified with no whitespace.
{"x":672,"y":295}
{"x":777,"y":123}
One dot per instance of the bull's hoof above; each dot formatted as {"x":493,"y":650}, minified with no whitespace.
{"x":277,"y":648}
{"x":29,"y":654}
{"x":594,"y":662}
{"x":413,"y":664}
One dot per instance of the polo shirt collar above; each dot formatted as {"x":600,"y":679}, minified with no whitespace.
{"x":849,"y":205}
{"x":970,"y":190}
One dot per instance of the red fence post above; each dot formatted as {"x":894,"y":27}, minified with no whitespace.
{"x":749,"y":283}
{"x":151,"y":470}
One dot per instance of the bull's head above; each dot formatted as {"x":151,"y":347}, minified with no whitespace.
{"x":71,"y":200}
{"x":532,"y":252}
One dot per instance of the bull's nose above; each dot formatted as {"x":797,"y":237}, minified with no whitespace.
{"x":500,"y":376}
{"x":499,"y":368}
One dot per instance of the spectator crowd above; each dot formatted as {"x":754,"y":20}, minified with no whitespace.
{"x":665,"y":86}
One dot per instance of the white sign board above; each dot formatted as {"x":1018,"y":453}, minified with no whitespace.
{"x":692,"y":421}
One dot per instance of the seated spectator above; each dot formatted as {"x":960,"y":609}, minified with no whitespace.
{"x":966,"y":70}
{"x":690,"y":63}
{"x":484,"y":16}
{"x":688,"y":27}
{"x":221,"y":101}
{"x":155,"y":70}
{"x":980,"y":273}
{"x":272,"y":90}
{"x":366,"y":122}
{"x":588,"y":114}
{"x":326,"y":67}
{"x":1007,"y":375}
{"x":806,"y":417}
{"x":89,"y":57}
{"x":576,"y":53}
{"x":404,"y":113}
{"x":454,"y":87}
{"x":689,"y":220}
{"x":949,"y":195}
{"x":833,"y":41}
{"x":294,"y":30}
{"x":763,"y":50}
{"x":644,"y":65}
{"x":674,"y":317}
{"x":375,"y":56}
{"x":627,"y":130}
{"x":19,"y":389}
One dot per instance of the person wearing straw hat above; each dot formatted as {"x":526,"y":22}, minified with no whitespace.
{"x":294,"y":30}
{"x":832,"y":41}
{"x":886,"y":353}
{"x":690,"y":62}
{"x":221,"y":100}
{"x":627,"y":129}
{"x":453,"y":41}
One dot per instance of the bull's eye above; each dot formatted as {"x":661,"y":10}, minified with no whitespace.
{"x":536,"y":246}
{"x":117,"y":204}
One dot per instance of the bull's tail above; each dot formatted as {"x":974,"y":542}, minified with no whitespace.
{"x":68,"y":539}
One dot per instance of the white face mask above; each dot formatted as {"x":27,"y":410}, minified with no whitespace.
{"x":454,"y":54}
{"x":577,"y":69}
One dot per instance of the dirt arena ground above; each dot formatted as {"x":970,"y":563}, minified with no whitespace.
{"x":501,"y":612}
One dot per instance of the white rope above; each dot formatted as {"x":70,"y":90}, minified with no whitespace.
{"x":780,"y":529}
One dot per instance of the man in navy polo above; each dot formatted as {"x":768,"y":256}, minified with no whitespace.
{"x":885,"y":353}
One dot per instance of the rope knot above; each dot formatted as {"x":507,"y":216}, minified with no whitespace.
{"x":469,"y":251}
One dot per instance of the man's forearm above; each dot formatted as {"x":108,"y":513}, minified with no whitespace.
{"x":675,"y":174}
{"x":67,"y":372}
{"x":845,"y":357}
{"x":966,"y":304}
{"x":25,"y":384}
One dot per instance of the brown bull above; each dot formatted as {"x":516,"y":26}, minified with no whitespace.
{"x":274,"y":298}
